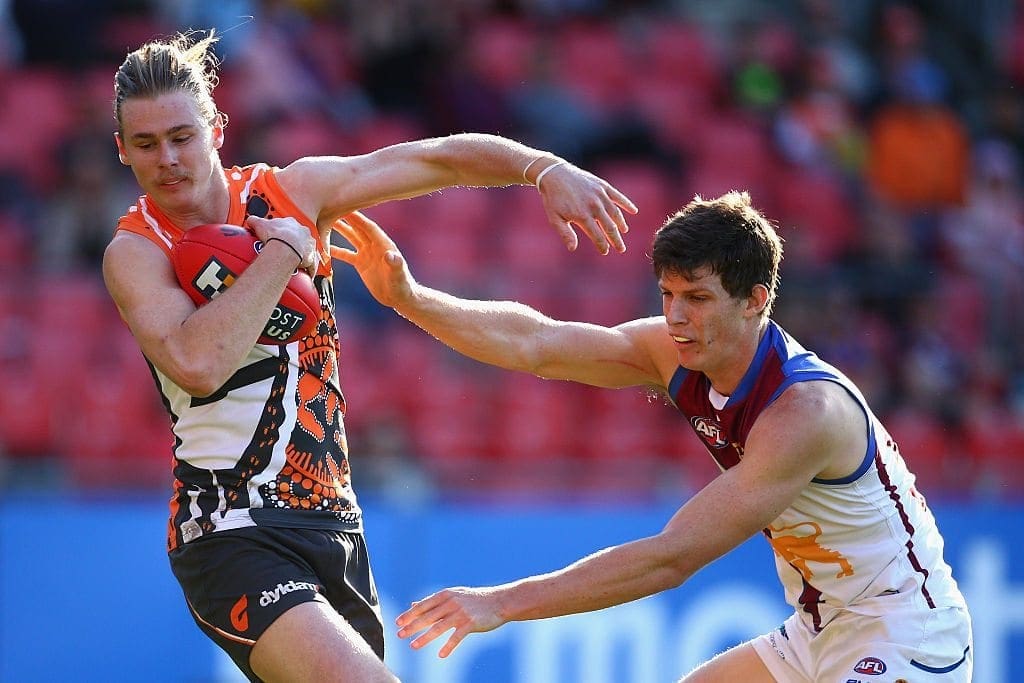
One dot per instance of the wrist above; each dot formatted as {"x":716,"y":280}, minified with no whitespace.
{"x":548,"y":169}
{"x":286,"y":243}
{"x":526,"y":169}
{"x":537,"y":166}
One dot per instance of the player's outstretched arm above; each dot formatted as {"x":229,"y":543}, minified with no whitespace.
{"x":507,"y":334}
{"x":777,"y":466}
{"x":327,"y":188}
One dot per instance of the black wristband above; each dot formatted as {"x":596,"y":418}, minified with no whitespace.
{"x":287,"y":244}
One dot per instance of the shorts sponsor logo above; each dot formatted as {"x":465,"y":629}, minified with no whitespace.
{"x":871,"y":666}
{"x":271,"y":596}
{"x":240,"y":615}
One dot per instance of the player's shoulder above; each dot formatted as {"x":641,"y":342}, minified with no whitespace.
{"x":813,"y":395}
{"x":129,"y":248}
{"x":819,"y":404}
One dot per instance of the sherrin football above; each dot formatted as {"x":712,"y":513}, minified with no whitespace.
{"x":209,"y":258}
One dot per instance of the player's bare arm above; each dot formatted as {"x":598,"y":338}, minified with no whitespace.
{"x":198,"y":348}
{"x":507,"y":334}
{"x":327,"y":188}
{"x":778,"y":464}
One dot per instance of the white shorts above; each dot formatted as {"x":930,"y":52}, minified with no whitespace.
{"x":906,"y":647}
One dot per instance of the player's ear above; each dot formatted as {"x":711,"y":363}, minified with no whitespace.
{"x":219,"y":122}
{"x":758,"y":299}
{"x":120,"y":149}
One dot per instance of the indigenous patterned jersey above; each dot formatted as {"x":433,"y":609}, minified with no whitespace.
{"x":268,"y":447}
{"x":843,"y":541}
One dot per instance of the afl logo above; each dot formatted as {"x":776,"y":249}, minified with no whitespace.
{"x":710,"y":431}
{"x":872,"y":666}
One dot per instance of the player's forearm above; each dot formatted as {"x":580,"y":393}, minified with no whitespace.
{"x":217,"y":337}
{"x":483,"y":160}
{"x":500,"y":333}
{"x":613,"y":576}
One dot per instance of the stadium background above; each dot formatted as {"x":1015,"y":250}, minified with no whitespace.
{"x":885,"y":138}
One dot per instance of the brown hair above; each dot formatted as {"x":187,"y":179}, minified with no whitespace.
{"x":164,"y":66}
{"x":727,"y":235}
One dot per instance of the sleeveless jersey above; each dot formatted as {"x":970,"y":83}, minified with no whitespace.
{"x":268,"y":447}
{"x":842,"y":541}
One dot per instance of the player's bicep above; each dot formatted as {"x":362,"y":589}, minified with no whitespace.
{"x":790,"y":443}
{"x":328,"y":188}
{"x":141,"y":282}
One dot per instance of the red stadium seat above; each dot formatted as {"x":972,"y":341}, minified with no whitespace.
{"x":451,"y":236}
{"x":501,"y":51}
{"x":736,"y":146}
{"x":116,"y":433}
{"x":591,"y":60}
{"x":676,"y":112}
{"x":28,"y":414}
{"x":994,"y":438}
{"x":682,"y":53}
{"x":925,"y":445}
{"x":815,"y":204}
{"x":534,"y":418}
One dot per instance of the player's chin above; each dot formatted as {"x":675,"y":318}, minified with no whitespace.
{"x":687,"y":355}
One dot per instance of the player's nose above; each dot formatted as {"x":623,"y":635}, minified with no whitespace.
{"x":168,"y":155}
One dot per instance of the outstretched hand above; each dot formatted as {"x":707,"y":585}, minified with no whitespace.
{"x":575,"y":197}
{"x":467,"y":610}
{"x":375,"y":257}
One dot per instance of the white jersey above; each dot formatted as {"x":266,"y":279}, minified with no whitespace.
{"x":842,"y":542}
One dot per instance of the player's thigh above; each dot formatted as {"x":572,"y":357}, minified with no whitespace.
{"x":741,"y":663}
{"x":312,"y":642}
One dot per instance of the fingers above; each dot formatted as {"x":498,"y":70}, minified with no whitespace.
{"x":622,"y":201}
{"x":610,"y":219}
{"x":582,"y":200}
{"x":566,"y":232}
{"x":419,"y":615}
{"x":453,"y":642}
{"x":342,"y":254}
{"x":437,"y":615}
{"x":604,"y":230}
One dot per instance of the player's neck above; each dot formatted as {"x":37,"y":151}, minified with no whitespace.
{"x":726,"y":379}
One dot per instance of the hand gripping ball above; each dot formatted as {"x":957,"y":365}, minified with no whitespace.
{"x":209,"y":258}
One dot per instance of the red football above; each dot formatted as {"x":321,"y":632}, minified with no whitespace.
{"x":209,"y":258}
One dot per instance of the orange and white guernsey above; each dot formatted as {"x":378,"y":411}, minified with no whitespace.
{"x":268,"y":448}
{"x":843,"y":542}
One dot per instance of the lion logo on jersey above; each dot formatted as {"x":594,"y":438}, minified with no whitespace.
{"x":800,"y":547}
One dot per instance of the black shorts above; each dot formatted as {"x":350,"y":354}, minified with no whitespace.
{"x":238,"y":581}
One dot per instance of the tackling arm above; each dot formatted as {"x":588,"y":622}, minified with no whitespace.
{"x":327,"y":188}
{"x":778,"y":464}
{"x":507,"y":334}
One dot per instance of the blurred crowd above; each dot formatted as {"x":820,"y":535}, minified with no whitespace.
{"x":884,"y":138}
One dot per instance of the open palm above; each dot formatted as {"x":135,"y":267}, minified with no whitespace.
{"x":375,"y":257}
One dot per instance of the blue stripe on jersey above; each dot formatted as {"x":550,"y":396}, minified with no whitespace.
{"x":678,"y":377}
{"x":942,"y":669}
